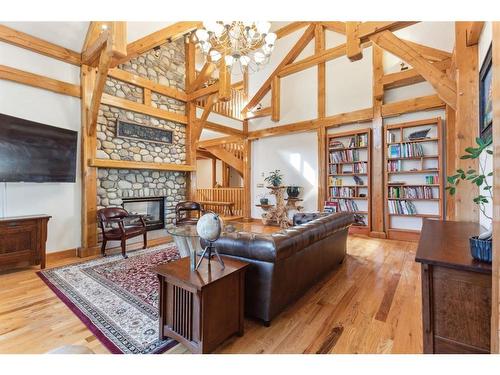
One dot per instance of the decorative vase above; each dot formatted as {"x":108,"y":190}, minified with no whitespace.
{"x":293,"y":191}
{"x":481,"y":249}
{"x":264,"y":201}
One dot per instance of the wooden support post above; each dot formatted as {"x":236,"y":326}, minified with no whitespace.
{"x":466,"y":121}
{"x":224,"y":82}
{"x":89,"y":174}
{"x":247,"y":179}
{"x":354,"y":51}
{"x":191,"y":116}
{"x":322,"y":165}
{"x":495,"y":317}
{"x":146,"y":96}
{"x":451,"y":157}
{"x":275,"y":99}
{"x":377,"y":189}
{"x":214,"y":172}
{"x":319,"y":46}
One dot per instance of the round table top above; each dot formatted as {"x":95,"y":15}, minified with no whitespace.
{"x":189,"y":230}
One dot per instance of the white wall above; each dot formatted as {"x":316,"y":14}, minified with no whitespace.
{"x":61,"y":200}
{"x":487,"y":160}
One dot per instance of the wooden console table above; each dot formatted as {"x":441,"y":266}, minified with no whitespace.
{"x":456,"y":289}
{"x":22,"y":241}
{"x":202,"y":308}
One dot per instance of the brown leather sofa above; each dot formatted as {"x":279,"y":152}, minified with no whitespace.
{"x":284,"y":265}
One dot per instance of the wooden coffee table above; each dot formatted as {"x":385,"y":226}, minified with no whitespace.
{"x":201,"y":308}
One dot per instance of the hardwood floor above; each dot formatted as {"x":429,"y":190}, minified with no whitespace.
{"x":372,"y":304}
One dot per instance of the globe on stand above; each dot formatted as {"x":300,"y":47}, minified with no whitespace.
{"x":209,"y":227}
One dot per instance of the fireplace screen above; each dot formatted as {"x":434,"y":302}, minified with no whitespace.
{"x":152,"y":209}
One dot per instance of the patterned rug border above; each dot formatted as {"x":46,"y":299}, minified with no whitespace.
{"x":87,"y":322}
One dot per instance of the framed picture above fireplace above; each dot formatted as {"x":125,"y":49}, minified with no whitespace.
{"x":139,"y":132}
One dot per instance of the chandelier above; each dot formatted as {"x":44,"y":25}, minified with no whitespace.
{"x":243,"y":45}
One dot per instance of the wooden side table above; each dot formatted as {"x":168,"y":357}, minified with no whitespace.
{"x":201,"y":308}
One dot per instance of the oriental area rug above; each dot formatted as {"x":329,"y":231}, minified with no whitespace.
{"x":116,"y":298}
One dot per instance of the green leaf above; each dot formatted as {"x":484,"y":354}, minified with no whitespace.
{"x":479,"y":141}
{"x":451,"y":179}
{"x":490,"y":174}
{"x":461,"y":171}
{"x":463,"y":157}
{"x":490,"y":152}
{"x":471,"y":177}
{"x":452,"y":191}
{"x":470,"y":150}
{"x":470,"y":171}
{"x":487,"y":187}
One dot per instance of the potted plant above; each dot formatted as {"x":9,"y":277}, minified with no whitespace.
{"x":263,"y":199}
{"x":293,"y":191}
{"x":480,"y":245}
{"x":275,"y":178}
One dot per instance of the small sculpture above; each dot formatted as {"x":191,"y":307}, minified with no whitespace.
{"x":420,"y":134}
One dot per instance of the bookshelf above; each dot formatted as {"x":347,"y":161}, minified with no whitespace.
{"x":348,"y":176}
{"x":413,"y":177}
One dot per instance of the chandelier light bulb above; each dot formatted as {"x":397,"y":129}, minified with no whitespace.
{"x":215,"y":55}
{"x":259,"y":57}
{"x":248,"y":24}
{"x":202,"y":35}
{"x":244,"y":60}
{"x":267,"y":49}
{"x":229,"y":60}
{"x":263,"y":27}
{"x":205,"y":47}
{"x":270,"y":39}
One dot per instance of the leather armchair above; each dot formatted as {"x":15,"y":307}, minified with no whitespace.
{"x":119,"y":232}
{"x":184,"y":210}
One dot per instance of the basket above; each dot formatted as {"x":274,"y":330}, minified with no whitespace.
{"x":481,"y":249}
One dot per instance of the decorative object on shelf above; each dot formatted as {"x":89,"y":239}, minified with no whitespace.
{"x":263,"y":199}
{"x":480,"y":245}
{"x":247,"y":45}
{"x":358,"y":180}
{"x":420,"y":134}
{"x":209,"y":228}
{"x":293,"y":191}
{"x":139,"y":132}
{"x":359,"y":220}
{"x":485,"y":98}
{"x":282,"y":212}
{"x":336,"y":144}
{"x":275,"y":178}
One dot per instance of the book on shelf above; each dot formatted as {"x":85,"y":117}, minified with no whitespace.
{"x":402,"y":207}
{"x":343,"y":156}
{"x":394,"y":165}
{"x":331,"y":207}
{"x":405,"y":150}
{"x":359,"y":140}
{"x":391,"y":137}
{"x":345,"y":205}
{"x":360,"y":167}
{"x":342,"y":192}
{"x":333,"y":181}
{"x":432,"y":180}
{"x":410,"y":192}
{"x":333,"y":169}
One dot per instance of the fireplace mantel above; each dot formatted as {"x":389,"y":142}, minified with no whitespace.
{"x":124,"y":164}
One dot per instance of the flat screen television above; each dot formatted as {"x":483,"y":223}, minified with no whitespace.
{"x":34,"y":152}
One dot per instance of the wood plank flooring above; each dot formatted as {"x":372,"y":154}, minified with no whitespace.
{"x":372,"y":304}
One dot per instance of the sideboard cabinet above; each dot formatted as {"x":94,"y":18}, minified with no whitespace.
{"x":456,"y":290}
{"x":22,"y":241}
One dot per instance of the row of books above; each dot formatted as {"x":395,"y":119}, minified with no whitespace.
{"x":340,"y":205}
{"x":391,"y":137}
{"x":414,"y":192}
{"x":432,"y":180}
{"x":334,"y":181}
{"x":344,"y":192}
{"x":394,"y":165}
{"x":360,"y":140}
{"x":406,"y":150}
{"x":344,"y":156}
{"x":402,"y":207}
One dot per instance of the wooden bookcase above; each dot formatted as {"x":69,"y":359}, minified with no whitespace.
{"x":413,"y":172}
{"x":345,"y":171}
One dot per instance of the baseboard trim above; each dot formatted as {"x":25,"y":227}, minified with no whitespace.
{"x":70,"y":253}
{"x":96,"y":250}
{"x":378,"y":234}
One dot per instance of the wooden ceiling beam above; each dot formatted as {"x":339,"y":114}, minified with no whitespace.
{"x":169,"y":33}
{"x":366,"y":29}
{"x":289,"y":58}
{"x":290,"y":28}
{"x":444,"y":86}
{"x":354,"y":52}
{"x":422,"y":103}
{"x":200,"y":123}
{"x":95,"y":102}
{"x":429,"y":53}
{"x":223,"y":129}
{"x":42,"y":82}
{"x":264,"y":112}
{"x":410,"y":76}
{"x":134,"y":79}
{"x":203,"y":76}
{"x":338,"y":27}
{"x":90,"y":56}
{"x":473,"y":32}
{"x":34,"y":44}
